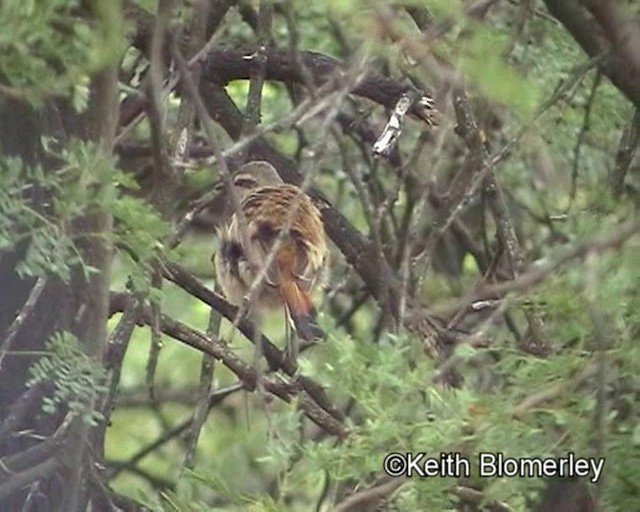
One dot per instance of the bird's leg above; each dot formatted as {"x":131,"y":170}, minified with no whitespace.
{"x":291,"y":338}
{"x":257,"y":348}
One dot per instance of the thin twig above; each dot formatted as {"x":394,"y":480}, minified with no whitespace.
{"x":627,"y":147}
{"x":285,"y":390}
{"x":552,"y":392}
{"x":214,"y":399}
{"x":368,"y":498}
{"x":27,"y":477}
{"x":259,"y":62}
{"x":205,"y":391}
{"x":21,"y":317}
{"x":163,"y":174}
{"x":586,"y":124}
{"x":275,"y":357}
{"x":117,"y":345}
{"x":22,"y":407}
{"x":612,"y":238}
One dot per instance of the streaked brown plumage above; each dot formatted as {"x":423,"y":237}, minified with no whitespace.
{"x":268,"y":205}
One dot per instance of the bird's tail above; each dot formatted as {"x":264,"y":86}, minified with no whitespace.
{"x":300,"y":310}
{"x":297,"y":302}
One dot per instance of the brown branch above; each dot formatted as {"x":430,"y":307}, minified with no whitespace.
{"x":20,"y":480}
{"x":206,"y":385}
{"x":21,"y":408}
{"x":284,"y":390}
{"x":475,"y":497}
{"x":275,"y":357}
{"x":222,"y":65}
{"x":554,"y":391}
{"x":258,"y":60}
{"x":620,"y":29}
{"x":214,"y":399}
{"x":22,"y":315}
{"x":629,"y":142}
{"x":586,"y":125}
{"x":370,"y":498}
{"x":479,"y":165}
{"x":117,"y":345}
{"x":612,"y":238}
{"x":38,"y":453}
{"x":590,"y":37}
{"x":163,"y":176}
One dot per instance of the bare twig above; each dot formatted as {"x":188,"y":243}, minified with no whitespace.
{"x":480,"y":164}
{"x":612,"y":238}
{"x":275,"y":357}
{"x":20,"y":409}
{"x":259,"y":63}
{"x":163,"y":175}
{"x":183,"y":133}
{"x":117,"y":344}
{"x":368,"y":499}
{"x":575,"y":18}
{"x":226,"y":175}
{"x":22,"y":315}
{"x":473,"y":173}
{"x":27,"y":477}
{"x":581,"y":135}
{"x":316,"y":410}
{"x":629,"y":142}
{"x":552,"y":392}
{"x":214,"y":399}
{"x":223,"y":64}
{"x":475,"y":497}
{"x":206,"y":381}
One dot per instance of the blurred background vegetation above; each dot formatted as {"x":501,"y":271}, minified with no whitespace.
{"x":565,"y":138}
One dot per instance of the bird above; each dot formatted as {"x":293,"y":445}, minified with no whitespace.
{"x":274,"y":213}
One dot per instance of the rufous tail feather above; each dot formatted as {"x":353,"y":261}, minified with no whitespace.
{"x":300,"y":310}
{"x":298,"y":304}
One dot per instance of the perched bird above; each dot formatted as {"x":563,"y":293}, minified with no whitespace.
{"x":274,"y":213}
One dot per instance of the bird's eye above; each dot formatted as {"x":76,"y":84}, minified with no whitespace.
{"x":244,"y":182}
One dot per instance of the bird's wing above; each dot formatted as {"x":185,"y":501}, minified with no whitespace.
{"x":267,"y":210}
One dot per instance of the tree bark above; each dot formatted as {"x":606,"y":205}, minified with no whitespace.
{"x":80,"y":307}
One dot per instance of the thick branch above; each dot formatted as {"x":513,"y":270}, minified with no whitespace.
{"x":589,"y":36}
{"x":222,"y":65}
{"x":275,"y":357}
{"x":248,"y":375}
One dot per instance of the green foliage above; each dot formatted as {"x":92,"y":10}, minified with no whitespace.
{"x":47,"y":49}
{"x":78,"y":380}
{"x":250,"y":445}
{"x":85,"y":182}
{"x":49,"y":250}
{"x":389,"y":384}
{"x":481,"y":57}
{"x":400,"y":410}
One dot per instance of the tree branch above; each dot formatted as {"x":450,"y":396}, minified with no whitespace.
{"x":222,"y":65}
{"x":590,"y":37}
{"x":283,"y":390}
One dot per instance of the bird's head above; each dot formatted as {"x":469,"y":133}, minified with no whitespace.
{"x":253,"y":175}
